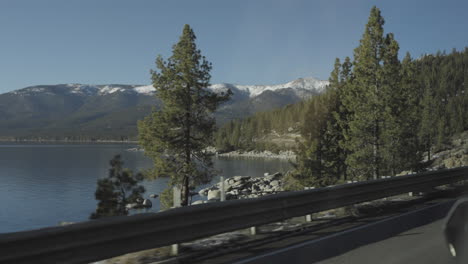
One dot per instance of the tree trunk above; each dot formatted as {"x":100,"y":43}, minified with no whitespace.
{"x":188,"y":158}
{"x":185,"y":191}
{"x":375,"y":172}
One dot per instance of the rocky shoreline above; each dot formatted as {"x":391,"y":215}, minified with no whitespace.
{"x":290,"y":155}
{"x":242,"y":187}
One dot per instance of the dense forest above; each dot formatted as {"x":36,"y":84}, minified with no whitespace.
{"x":378,"y":116}
{"x":440,"y":98}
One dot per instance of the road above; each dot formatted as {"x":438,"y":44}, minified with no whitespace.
{"x":424,"y":244}
{"x":411,"y":237}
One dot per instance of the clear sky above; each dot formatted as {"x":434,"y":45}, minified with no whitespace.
{"x":248,"y":41}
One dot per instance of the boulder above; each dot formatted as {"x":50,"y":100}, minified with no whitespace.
{"x":214,"y":194}
{"x":147,"y":203}
{"x":255,"y":187}
{"x":131,"y":206}
{"x":272,"y":177}
{"x":241,"y":178}
{"x":197,"y":202}
{"x":246,"y":191}
{"x":230,"y":196}
{"x":274,"y":183}
{"x":154,"y":196}
{"x":203,"y":192}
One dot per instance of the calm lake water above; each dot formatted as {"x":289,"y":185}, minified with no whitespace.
{"x":44,"y":184}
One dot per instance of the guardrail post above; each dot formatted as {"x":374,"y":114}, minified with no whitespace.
{"x":176,"y":202}
{"x":308,"y":217}
{"x":223,"y":191}
{"x":253,"y":230}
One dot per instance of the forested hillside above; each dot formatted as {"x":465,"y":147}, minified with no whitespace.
{"x":439,"y":91}
{"x":81,"y":112}
{"x":378,"y":116}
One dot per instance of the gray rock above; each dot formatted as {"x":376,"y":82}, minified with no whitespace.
{"x":147,"y":203}
{"x":197,"y":202}
{"x":255,"y":187}
{"x":276,"y":176}
{"x":241,"y":178}
{"x":230,"y":196}
{"x":203,"y":192}
{"x":214,"y":195}
{"x":274,"y":183}
{"x":131,"y":206}
{"x":246,"y":191}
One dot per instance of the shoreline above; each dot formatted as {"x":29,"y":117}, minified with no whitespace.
{"x":288,"y":155}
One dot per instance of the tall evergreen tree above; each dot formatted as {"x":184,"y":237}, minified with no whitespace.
{"x":394,"y":103}
{"x":427,"y":131}
{"x":342,"y":115}
{"x":410,"y":147}
{"x":176,"y":136}
{"x":364,"y":100}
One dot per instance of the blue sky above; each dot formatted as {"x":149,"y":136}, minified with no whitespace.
{"x":248,"y":41}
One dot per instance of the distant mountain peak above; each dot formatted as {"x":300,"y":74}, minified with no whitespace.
{"x":308,"y":83}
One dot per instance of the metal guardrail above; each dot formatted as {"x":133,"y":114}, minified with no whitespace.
{"x":105,"y":238}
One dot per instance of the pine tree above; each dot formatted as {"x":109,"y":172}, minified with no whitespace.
{"x":176,"y":136}
{"x":341,"y":115}
{"x":394,"y":103}
{"x":364,"y":100}
{"x":337,"y":119}
{"x":410,"y":115}
{"x":319,"y":157}
{"x":427,"y":131}
{"x":311,"y":167}
{"x":118,"y":190}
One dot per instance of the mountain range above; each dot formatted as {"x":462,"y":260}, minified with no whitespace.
{"x":79,"y":111}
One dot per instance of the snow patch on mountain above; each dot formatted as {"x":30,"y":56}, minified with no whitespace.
{"x":310,"y":84}
{"x":147,"y":89}
{"x":110,"y":89}
{"x":77,"y":88}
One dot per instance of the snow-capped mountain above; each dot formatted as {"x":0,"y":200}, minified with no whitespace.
{"x":113,"y":109}
{"x":309,"y":84}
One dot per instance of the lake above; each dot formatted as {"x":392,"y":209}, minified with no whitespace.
{"x":44,"y":184}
